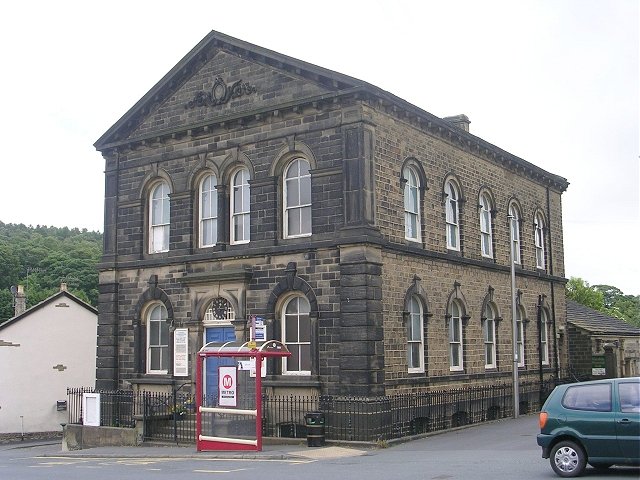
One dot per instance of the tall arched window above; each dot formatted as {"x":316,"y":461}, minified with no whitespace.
{"x":208,"y":211}
{"x":452,"y":208}
{"x":415,"y":336}
{"x":159,"y":214}
{"x":544,"y":337}
{"x":514,"y":231}
{"x":455,"y":337}
{"x":520,"y":335}
{"x":539,"y":240}
{"x":240,"y":207}
{"x":486,"y":233}
{"x":297,"y":199}
{"x":489,"y":334}
{"x":157,"y":340}
{"x":411,"y":204}
{"x":296,"y":335}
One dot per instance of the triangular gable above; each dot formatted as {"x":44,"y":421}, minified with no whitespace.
{"x":220,"y":76}
{"x":53,"y":298}
{"x":141,"y":124}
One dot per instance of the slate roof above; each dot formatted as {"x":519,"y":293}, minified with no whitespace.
{"x":53,"y":298}
{"x":597,"y":322}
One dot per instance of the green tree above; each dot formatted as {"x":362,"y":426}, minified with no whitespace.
{"x":625,"y":307}
{"x":41,"y":257}
{"x":580,"y":291}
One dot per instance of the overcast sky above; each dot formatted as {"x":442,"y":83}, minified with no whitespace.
{"x":555,"y":82}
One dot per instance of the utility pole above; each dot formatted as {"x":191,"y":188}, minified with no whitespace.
{"x":514,"y":323}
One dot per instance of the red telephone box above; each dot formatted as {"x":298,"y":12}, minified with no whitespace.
{"x":231,"y":418}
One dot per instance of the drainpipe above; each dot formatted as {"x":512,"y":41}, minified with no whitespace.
{"x":553,"y":296}
{"x":539,"y":323}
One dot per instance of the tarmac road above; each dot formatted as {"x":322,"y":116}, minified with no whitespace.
{"x":505,"y":449}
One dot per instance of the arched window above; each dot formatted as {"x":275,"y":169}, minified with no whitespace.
{"x":539,"y":241}
{"x":544,"y":337}
{"x":489,"y":334}
{"x":486,"y":233}
{"x":208,"y":211}
{"x":159,"y":214}
{"x":240,"y":207}
{"x":452,"y":208}
{"x":296,"y":335}
{"x":415,"y":336}
{"x":157,"y":340}
{"x":520,"y":335}
{"x":514,"y":230}
{"x":411,"y":204}
{"x":455,"y":337}
{"x":297,"y":199}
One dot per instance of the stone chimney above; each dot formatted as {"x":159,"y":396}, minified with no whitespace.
{"x":460,"y":121}
{"x":63,"y":287}
{"x":20,"y":301}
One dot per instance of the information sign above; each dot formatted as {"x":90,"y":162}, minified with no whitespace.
{"x":227,"y":386}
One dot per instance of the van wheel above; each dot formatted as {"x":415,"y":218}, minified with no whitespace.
{"x":568,"y":459}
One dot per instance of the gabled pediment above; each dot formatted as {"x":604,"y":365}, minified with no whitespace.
{"x":221,"y":77}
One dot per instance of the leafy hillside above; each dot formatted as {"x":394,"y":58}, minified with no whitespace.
{"x":41,"y":257}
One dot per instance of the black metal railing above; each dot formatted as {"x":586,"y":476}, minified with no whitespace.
{"x":171,"y":416}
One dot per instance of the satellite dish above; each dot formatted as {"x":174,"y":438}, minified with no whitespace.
{"x":14,"y":290}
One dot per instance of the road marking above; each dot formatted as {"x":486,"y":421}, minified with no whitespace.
{"x":220,"y":471}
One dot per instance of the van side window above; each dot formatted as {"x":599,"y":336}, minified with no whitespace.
{"x":629,"y":397}
{"x":595,"y":398}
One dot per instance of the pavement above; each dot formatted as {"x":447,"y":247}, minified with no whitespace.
{"x":297,"y":451}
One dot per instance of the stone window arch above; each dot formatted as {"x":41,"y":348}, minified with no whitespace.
{"x":490,"y":320}
{"x":486,"y":213}
{"x":207,"y":207}
{"x":539,"y":232}
{"x":413,"y":184}
{"x":414,"y":316}
{"x":456,"y":320}
{"x":154,"y":325}
{"x":515,"y":230}
{"x":293,"y":301}
{"x":453,"y":201}
{"x":296,"y":196}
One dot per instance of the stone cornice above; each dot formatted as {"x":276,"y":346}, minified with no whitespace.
{"x":224,"y":274}
{"x":341,"y":87}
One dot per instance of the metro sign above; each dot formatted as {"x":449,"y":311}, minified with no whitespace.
{"x":227,"y":386}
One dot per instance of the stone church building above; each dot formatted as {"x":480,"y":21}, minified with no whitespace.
{"x":370,"y":236}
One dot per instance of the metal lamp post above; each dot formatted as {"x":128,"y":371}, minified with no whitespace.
{"x":516,"y":392}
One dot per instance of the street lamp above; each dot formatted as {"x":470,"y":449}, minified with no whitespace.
{"x":514,"y":323}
